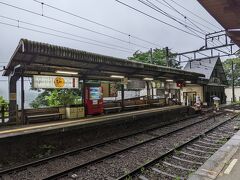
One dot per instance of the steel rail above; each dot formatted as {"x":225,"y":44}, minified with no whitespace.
{"x":153,"y":162}
{"x":66,"y":172}
{"x":45,"y":160}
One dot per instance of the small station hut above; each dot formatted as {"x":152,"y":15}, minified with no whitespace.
{"x":213,"y":84}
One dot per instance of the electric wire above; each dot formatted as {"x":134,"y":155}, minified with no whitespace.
{"x":135,"y":9}
{"x":97,"y":23}
{"x":100,"y":24}
{"x":174,"y":18}
{"x":73,"y":25}
{"x":192,"y":21}
{"x":59,"y":36}
{"x":63,"y":32}
{"x":29,"y":11}
{"x":159,"y":20}
{"x":156,"y":8}
{"x":196,"y":15}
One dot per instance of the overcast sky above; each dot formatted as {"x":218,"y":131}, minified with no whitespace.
{"x":107,"y":12}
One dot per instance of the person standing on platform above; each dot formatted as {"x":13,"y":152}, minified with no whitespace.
{"x":216,"y":101}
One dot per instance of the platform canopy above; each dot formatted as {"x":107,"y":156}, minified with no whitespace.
{"x":45,"y":59}
{"x":227,"y":13}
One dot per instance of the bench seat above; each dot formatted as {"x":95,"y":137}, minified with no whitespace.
{"x":44,"y":115}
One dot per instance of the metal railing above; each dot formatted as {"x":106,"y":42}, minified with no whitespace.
{"x":4,"y":114}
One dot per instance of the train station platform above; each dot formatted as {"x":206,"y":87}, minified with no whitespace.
{"x":222,"y":165}
{"x":26,"y":141}
{"x":32,"y":128}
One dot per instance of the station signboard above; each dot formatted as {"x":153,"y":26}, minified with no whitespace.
{"x":136,"y":84}
{"x":55,"y":82}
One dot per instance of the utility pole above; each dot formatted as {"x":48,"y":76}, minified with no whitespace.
{"x":233,"y":79}
{"x":167,"y":57}
{"x":151,"y":56}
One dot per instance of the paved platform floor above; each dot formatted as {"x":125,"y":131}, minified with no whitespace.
{"x":231,"y":170}
{"x":222,"y":165}
{"x":26,"y":129}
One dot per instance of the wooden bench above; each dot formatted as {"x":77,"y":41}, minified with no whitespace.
{"x":157,"y":102}
{"x":42,"y":115}
{"x":112,"y":107}
{"x":135,"y":104}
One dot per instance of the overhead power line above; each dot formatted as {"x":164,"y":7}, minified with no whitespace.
{"x":156,"y":8}
{"x":97,"y":23}
{"x":192,"y":21}
{"x":65,"y":33}
{"x":168,"y":5}
{"x":159,"y":20}
{"x":59,"y":36}
{"x":73,"y":25}
{"x":196,"y":15}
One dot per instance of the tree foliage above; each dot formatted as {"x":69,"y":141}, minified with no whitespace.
{"x":57,"y":97}
{"x":3,"y":101}
{"x":158,"y":57}
{"x":227,"y":64}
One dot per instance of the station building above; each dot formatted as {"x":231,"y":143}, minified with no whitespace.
{"x":213,"y":84}
{"x":53,"y":66}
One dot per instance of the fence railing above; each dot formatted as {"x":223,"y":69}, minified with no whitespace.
{"x":4,"y":114}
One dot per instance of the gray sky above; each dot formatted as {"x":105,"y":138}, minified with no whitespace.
{"x":107,"y":12}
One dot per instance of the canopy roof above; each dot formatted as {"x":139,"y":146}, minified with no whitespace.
{"x":207,"y":67}
{"x":227,"y":13}
{"x":41,"y":58}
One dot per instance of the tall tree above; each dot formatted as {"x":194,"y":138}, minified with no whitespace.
{"x":227,"y":64}
{"x":157,"y":56}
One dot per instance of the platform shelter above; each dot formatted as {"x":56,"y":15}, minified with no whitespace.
{"x":34,"y":58}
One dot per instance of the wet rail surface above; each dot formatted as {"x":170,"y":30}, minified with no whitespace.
{"x":69,"y":165}
{"x":182,"y":162}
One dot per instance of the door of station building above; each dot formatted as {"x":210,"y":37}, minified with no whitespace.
{"x":189,"y":98}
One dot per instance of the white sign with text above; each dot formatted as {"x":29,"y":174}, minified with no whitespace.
{"x":58,"y":82}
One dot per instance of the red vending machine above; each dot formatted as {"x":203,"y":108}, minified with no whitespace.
{"x":93,"y":99}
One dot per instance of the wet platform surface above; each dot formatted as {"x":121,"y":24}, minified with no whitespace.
{"x":224,"y":164}
{"x":26,"y":129}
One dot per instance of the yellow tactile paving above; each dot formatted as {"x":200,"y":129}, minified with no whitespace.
{"x":82,"y":121}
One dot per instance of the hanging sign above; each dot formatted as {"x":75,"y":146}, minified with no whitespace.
{"x":58,"y":82}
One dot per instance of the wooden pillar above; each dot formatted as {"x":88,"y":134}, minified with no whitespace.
{"x":84,"y":96}
{"x":22,"y":101}
{"x":152,"y":91}
{"x":122,"y":94}
{"x":12,"y":94}
{"x":148,"y":90}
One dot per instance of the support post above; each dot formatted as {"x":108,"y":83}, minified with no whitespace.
{"x":12,"y":98}
{"x":22,"y":101}
{"x":148,"y":90}
{"x":83,"y":91}
{"x":167,"y":57}
{"x":233,"y":79}
{"x":12,"y":93}
{"x":151,"y":56}
{"x":122,"y":94}
{"x":83,"y":95}
{"x":152,"y":91}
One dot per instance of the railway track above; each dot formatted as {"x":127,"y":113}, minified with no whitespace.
{"x":182,"y":161}
{"x":82,"y":158}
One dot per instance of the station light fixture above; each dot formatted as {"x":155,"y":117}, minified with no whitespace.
{"x":67,"y":72}
{"x":148,"y":79}
{"x":117,"y":76}
{"x":169,"y":80}
{"x":188,"y":82}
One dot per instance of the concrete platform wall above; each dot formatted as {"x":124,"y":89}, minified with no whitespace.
{"x":28,"y":146}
